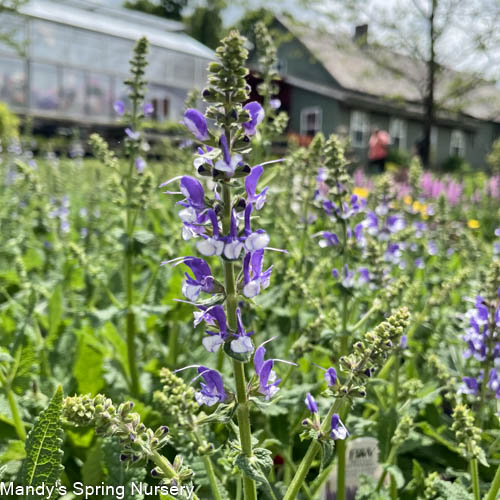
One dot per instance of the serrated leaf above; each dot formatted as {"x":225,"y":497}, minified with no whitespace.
{"x":327,"y":453}
{"x":43,"y":447}
{"x":251,"y":467}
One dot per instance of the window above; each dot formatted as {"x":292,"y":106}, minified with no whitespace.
{"x":397,"y":131}
{"x":360,"y":125}
{"x":457,"y":143}
{"x":72,"y":96}
{"x":311,"y":121}
{"x":98,"y":94}
{"x":13,"y":81}
{"x":44,"y":86}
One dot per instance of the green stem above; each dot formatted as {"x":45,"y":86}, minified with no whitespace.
{"x":374,"y":308}
{"x":14,"y":408}
{"x":390,"y":460}
{"x":16,"y":415}
{"x":242,"y":412}
{"x":209,"y":468}
{"x":311,"y":453}
{"x":495,"y":486}
{"x":166,"y":468}
{"x":474,"y":474}
{"x":395,"y":387}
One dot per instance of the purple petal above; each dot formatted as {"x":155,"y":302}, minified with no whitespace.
{"x":196,"y":124}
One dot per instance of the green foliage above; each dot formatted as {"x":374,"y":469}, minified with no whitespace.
{"x":9,"y":125}
{"x":205,"y":23}
{"x":493,"y":157}
{"x":455,"y":164}
{"x":43,"y":447}
{"x":170,"y":9}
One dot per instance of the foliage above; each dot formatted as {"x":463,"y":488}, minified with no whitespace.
{"x":42,"y":464}
{"x":9,"y":125}
{"x":171,"y":9}
{"x":383,"y":312}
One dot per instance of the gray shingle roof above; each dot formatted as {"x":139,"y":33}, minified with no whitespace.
{"x":382,"y":73}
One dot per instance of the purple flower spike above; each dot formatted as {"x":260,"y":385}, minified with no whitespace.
{"x":404,"y":342}
{"x":257,"y":240}
{"x":311,"y":403}
{"x":212,"y":391}
{"x":338,"y":430}
{"x":251,"y":187}
{"x":215,"y":339}
{"x":470,"y":386}
{"x":209,"y":246}
{"x":257,"y":114}
{"x":134,"y":135}
{"x":140,"y":164}
{"x":253,"y":278}
{"x":196,"y":124}
{"x":233,"y":246}
{"x":227,"y":164}
{"x":202,"y":282}
{"x":192,"y":189}
{"x":119,"y":107}
{"x":331,"y":376}
{"x":268,"y":384}
{"x":243,"y":343}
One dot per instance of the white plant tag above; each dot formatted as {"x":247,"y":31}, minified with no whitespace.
{"x":361,"y":459}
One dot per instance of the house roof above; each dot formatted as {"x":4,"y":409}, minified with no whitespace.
{"x":116,"y":21}
{"x":379,"y":72}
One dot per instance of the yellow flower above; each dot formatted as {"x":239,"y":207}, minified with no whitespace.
{"x":361,"y":192}
{"x":407,"y":199}
{"x":417,"y":206}
{"x":473,"y":223}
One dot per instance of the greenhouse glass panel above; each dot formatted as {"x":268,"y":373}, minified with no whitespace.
{"x":13,"y":81}
{"x":44,"y":86}
{"x":99,"y":94}
{"x":72,"y":100}
{"x":50,"y":41}
{"x":119,"y":54}
{"x":89,"y":50}
{"x":13,"y":33}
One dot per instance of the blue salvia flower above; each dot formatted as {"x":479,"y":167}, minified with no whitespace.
{"x":254,"y":279}
{"x":203,"y":280}
{"x":251,"y":181}
{"x":338,"y":430}
{"x":212,"y":391}
{"x":242,"y":343}
{"x":215,"y":339}
{"x":268,"y":382}
{"x":256,"y":240}
{"x":196,"y":124}
{"x":257,"y":114}
{"x":311,"y":403}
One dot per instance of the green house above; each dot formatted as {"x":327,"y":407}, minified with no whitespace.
{"x":337,"y":84}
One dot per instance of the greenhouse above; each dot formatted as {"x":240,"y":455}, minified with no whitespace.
{"x":69,"y":63}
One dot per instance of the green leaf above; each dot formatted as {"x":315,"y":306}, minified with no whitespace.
{"x":327,"y":453}
{"x":117,"y":473}
{"x":88,"y":370}
{"x":396,"y":473}
{"x":43,"y":447}
{"x":254,"y":468}
{"x":14,"y":451}
{"x":56,"y":308}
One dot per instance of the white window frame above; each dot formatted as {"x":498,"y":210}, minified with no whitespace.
{"x":398,"y":128}
{"x":457,"y":142}
{"x":318,"y":119}
{"x":360,"y":122}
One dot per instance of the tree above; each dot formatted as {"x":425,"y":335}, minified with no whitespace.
{"x":170,"y":9}
{"x":205,"y":23}
{"x":438,"y":35}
